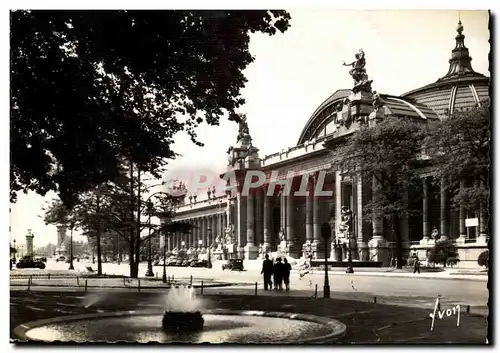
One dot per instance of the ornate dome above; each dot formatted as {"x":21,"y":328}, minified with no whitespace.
{"x":460,"y":88}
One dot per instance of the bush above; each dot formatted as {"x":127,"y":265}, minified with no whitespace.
{"x":484,"y":259}
{"x":441,"y":252}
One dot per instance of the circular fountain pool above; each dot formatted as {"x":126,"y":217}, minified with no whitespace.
{"x":221,"y":326}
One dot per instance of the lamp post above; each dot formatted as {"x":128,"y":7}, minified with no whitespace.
{"x":209,"y":246}
{"x":326,"y":233}
{"x":15,"y":250}
{"x":149,"y":272}
{"x":164,"y":278}
{"x":71,"y":267}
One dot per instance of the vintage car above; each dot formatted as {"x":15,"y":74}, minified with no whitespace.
{"x":201,"y":263}
{"x":233,"y":265}
{"x":29,"y":263}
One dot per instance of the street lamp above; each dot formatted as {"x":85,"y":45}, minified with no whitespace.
{"x":72,"y":225}
{"x":15,"y":250}
{"x":182,"y":244}
{"x":326,"y":233}
{"x":209,"y":236}
{"x":149,"y":272}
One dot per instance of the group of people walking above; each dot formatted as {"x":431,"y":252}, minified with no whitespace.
{"x":276,"y":273}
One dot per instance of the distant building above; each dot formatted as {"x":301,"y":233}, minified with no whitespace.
{"x":248,"y":226}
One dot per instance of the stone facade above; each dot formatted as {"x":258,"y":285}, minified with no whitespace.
{"x":248,"y":225}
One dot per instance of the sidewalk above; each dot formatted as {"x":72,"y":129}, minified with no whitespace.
{"x":439,"y":273}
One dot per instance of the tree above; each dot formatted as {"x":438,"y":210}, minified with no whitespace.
{"x":89,"y":87}
{"x":443,"y":252}
{"x":119,"y":209}
{"x":459,"y":148}
{"x":386,"y":155}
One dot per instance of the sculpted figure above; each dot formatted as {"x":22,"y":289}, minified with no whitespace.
{"x":378,"y":102}
{"x":358,"y":73}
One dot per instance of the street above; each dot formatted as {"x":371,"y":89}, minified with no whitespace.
{"x":423,"y":290}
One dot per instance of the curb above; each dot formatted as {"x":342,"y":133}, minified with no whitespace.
{"x":411,"y":276}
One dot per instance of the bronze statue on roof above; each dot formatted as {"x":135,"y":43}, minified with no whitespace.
{"x":358,"y":72}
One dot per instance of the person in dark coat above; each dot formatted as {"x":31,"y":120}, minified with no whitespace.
{"x":287,"y":268}
{"x":416,"y":266}
{"x":278,"y":274}
{"x":267,"y":271}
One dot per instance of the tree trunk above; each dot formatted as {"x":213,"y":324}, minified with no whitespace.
{"x":399,"y":244}
{"x":133,"y":269}
{"x":138,"y":224}
{"x":98,"y":238}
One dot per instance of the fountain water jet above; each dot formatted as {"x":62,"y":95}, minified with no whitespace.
{"x":182,"y":311}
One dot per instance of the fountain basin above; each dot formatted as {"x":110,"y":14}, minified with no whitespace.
{"x":175,"y":321}
{"x":221,"y":326}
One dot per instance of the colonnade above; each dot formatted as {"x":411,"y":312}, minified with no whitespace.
{"x":203,"y":233}
{"x":258,"y":220}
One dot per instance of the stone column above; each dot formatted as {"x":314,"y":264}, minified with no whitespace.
{"x":309,"y":211}
{"x":241,"y":226}
{"x":483,"y":221}
{"x":268,"y":231}
{"x":378,"y":245}
{"x":444,"y":211}
{"x":259,"y":217}
{"x":61,"y":235}
{"x":293,"y":247}
{"x":290,"y":236}
{"x":338,"y":200}
{"x":204,"y":232}
{"x":29,"y":245}
{"x":215,"y":229}
{"x":461,"y":213}
{"x":282,"y":211}
{"x":363,"y":250}
{"x":425,"y":212}
{"x":251,"y":251}
{"x":318,"y":247}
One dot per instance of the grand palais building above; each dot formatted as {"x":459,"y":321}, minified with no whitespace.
{"x":237,"y":226}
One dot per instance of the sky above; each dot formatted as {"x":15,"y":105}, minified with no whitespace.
{"x":294,"y":72}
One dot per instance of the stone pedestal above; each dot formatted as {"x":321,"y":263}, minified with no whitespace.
{"x":363,"y":251}
{"x":293,"y":250}
{"x":379,"y":250}
{"x":251,"y":252}
{"x":318,"y":250}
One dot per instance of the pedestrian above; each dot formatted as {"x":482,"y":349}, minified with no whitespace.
{"x":416,"y":266}
{"x":278,"y":275}
{"x":287,"y":268}
{"x":267,"y":271}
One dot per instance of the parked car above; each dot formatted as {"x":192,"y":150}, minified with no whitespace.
{"x":233,"y":265}
{"x":28,"y":263}
{"x":201,"y":263}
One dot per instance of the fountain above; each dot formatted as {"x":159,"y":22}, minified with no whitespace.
{"x":184,"y":320}
{"x":182,"y":312}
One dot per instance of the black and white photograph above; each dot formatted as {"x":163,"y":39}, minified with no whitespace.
{"x":250,"y":176}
